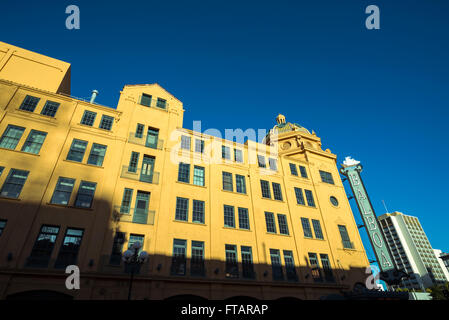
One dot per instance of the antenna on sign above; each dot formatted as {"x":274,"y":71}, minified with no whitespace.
{"x":385,"y":206}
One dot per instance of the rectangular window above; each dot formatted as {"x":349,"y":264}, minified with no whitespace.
{"x":88,"y":118}
{"x":277,"y":192}
{"x":106,"y":122}
{"x":50,"y":108}
{"x":85,"y":195}
{"x":225,"y":153}
{"x":161,"y":103}
{"x":97,"y":154}
{"x":43,"y":247}
{"x":185,"y":142}
{"x":117,"y":248}
{"x":238,"y":155}
{"x":293,"y":169}
{"x":34,"y":142}
{"x":2,"y":226}
{"x":199,"y":146}
{"x":227,"y":181}
{"x":240,"y":183}
{"x":283,"y":225}
{"x":306,"y":228}
{"x":326,"y":177}
{"x":68,"y":253}
{"x":197,"y":261}
{"x":309,"y":197}
{"x":1,"y":170}
{"x":198,"y":176}
{"x":184,"y":172}
{"x":29,"y":103}
{"x":153,"y":139}
{"x":14,"y":183}
{"x":276,"y":265}
{"x":229,"y":220}
{"x":317,"y":229}
{"x":315,"y":267}
{"x":145,"y":100}
{"x":243,"y":218}
{"x":347,"y":244}
{"x":63,"y":191}
{"x":133,"y":161}
{"x":182,"y":209}
{"x":290,"y":266}
{"x":198,"y":211}
{"x":77,"y":150}
{"x":299,"y":196}
{"x":265,"y":187}
{"x":133,"y":238}
{"x":178,"y":265}
{"x":327,"y":268}
{"x":269,"y":220}
{"x":139,"y":130}
{"x":303,"y":171}
{"x":232,"y":269}
{"x":261,"y":161}
{"x":11,"y":137}
{"x":273,"y":164}
{"x":126,"y":200}
{"x":247,"y":262}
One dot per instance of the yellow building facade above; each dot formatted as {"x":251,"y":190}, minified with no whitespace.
{"x":81,"y":182}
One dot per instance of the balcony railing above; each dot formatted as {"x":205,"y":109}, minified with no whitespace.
{"x":143,"y":140}
{"x":136,"y":174}
{"x":134,"y":215}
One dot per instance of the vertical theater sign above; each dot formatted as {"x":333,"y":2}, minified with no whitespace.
{"x":389,"y":273}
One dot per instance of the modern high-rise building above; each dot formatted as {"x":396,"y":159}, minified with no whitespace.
{"x":411,"y":250}
{"x":81,"y":182}
{"x":443,"y":260}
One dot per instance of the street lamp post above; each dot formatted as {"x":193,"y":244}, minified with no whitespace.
{"x":134,"y":259}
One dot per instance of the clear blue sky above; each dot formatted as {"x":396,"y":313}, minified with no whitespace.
{"x":381,"y":96}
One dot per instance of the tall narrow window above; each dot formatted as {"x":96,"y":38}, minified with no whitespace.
{"x":14,"y":183}
{"x":309,"y":197}
{"x":265,"y":187}
{"x":229,"y":219}
{"x":198,"y":211}
{"x":185,"y":142}
{"x":240,"y":184}
{"x":63,"y":191}
{"x":117,"y":248}
{"x":276,"y":265}
{"x":306,"y":228}
{"x":293,"y":169}
{"x":327,"y":268}
{"x":126,"y":200}
{"x":50,"y":108}
{"x":238,"y":155}
{"x":184,"y":172}
{"x":106,"y":122}
{"x":273,"y":164}
{"x":68,"y":253}
{"x":29,"y":103}
{"x":97,"y":154}
{"x":347,"y":244}
{"x":317,"y":229}
{"x":299,"y":196}
{"x":303,"y":171}
{"x":232,"y":269}
{"x":182,"y":209}
{"x":227,"y":181}
{"x":145,"y":100}
{"x":178,"y":265}
{"x":85,"y":195}
{"x":243,"y":218}
{"x":269,"y":220}
{"x":161,"y":103}
{"x":1,"y":170}
{"x":277,"y":192}
{"x":326,"y":177}
{"x":133,"y":161}
{"x":198,"y":176}
{"x":199,"y":146}
{"x":290,"y":266}
{"x":11,"y":137}
{"x":43,"y":247}
{"x":2,"y":226}
{"x":247,"y":262}
{"x":34,"y":142}
{"x":77,"y":150}
{"x":225,"y":153}
{"x":283,"y":226}
{"x":88,"y":118}
{"x":315,"y":267}
{"x":261,"y":161}
{"x":197,"y":262}
{"x":139,"y":130}
{"x":153,"y":138}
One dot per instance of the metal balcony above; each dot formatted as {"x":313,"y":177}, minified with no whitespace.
{"x":135,"y":174}
{"x":134,"y":215}
{"x":144,"y":141}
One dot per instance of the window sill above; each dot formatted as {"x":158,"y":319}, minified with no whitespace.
{"x":68,"y":207}
{"x":278,"y":234}
{"x":10,"y":198}
{"x":237,"y":229}
{"x":234,"y":192}
{"x":190,"y":184}
{"x":306,"y":206}
{"x":84,"y":164}
{"x":22,"y":152}
{"x":190,"y":222}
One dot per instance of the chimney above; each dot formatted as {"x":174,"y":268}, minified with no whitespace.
{"x":94,"y":95}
